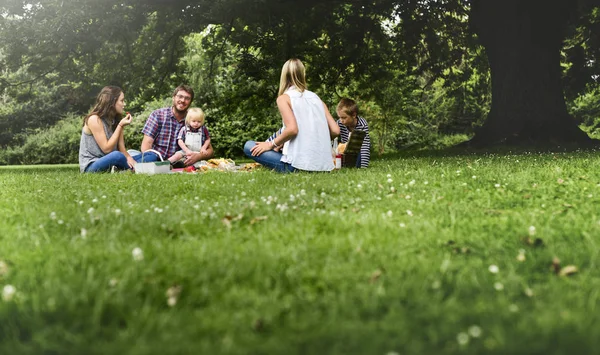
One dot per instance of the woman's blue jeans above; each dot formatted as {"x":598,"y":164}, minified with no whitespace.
{"x":115,"y":158}
{"x":270,"y":159}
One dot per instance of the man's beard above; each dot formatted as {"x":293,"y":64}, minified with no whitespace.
{"x":179,"y":111}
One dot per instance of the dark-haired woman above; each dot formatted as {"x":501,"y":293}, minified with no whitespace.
{"x":102,"y":145}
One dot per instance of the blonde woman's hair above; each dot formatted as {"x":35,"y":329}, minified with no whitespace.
{"x":293,"y":73}
{"x":195,"y":112}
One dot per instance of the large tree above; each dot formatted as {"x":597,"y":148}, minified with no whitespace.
{"x":523,"y":40}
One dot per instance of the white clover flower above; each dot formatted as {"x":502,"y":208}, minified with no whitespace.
{"x":8,"y":293}
{"x":117,"y":211}
{"x":95,"y":200}
{"x":474,"y":331}
{"x":52,"y":215}
{"x":80,"y":202}
{"x":392,"y":189}
{"x":493,"y":269}
{"x":389,"y":175}
{"x":389,"y":213}
{"x":172,"y":301}
{"x":407,"y":197}
{"x":243,"y":193}
{"x":531,"y":230}
{"x":390,"y":181}
{"x":83,"y":233}
{"x":513,"y":308}
{"x":138,"y":254}
{"x":499,"y":286}
{"x":359,"y":186}
{"x":113,"y":282}
{"x":402,"y":225}
{"x":282,"y":207}
{"x":409,"y":212}
{"x":323,"y":194}
{"x":496,"y":185}
{"x":473,"y":177}
{"x":302,"y":192}
{"x":103,"y":196}
{"x":60,"y":221}
{"x":462,"y":338}
{"x":412,"y":182}
{"x":90,"y":210}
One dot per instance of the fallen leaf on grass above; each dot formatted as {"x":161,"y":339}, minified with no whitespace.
{"x":376,"y":275}
{"x":228,"y":219}
{"x":535,"y":242}
{"x":556,"y":265}
{"x":568,"y":270}
{"x":258,"y":219}
{"x":226,"y":222}
{"x":258,"y":325}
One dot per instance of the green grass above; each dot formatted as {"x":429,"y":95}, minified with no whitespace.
{"x":347,"y":265}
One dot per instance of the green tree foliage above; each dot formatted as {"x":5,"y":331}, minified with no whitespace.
{"x":414,"y":66}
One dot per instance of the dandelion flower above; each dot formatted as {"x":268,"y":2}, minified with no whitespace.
{"x":474,"y":331}
{"x":462,"y":338}
{"x":138,"y":254}
{"x":8,"y":293}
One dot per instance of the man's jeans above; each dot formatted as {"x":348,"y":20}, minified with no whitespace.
{"x":270,"y":159}
{"x":148,"y":157}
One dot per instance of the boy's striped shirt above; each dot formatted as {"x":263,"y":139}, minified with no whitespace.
{"x":365,"y":149}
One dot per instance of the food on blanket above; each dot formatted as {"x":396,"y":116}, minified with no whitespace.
{"x":190,"y":169}
{"x":217,"y":161}
{"x":249,"y":166}
{"x":341,"y":148}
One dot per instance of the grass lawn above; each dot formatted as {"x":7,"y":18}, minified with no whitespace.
{"x":425,"y":254}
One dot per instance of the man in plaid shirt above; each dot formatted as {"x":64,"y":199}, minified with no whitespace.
{"x":161,"y":128}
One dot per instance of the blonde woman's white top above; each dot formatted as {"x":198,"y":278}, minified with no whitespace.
{"x":310,"y":150}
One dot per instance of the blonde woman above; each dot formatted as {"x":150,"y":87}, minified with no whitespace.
{"x":308,"y":128}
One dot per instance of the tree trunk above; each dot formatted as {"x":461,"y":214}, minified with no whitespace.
{"x":523,"y":39}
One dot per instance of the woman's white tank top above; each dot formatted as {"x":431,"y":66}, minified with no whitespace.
{"x":310,"y":150}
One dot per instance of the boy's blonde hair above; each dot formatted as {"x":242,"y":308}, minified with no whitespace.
{"x":195,"y":112}
{"x":348,"y":106}
{"x":293,"y":73}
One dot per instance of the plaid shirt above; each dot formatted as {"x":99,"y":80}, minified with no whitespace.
{"x":162,"y":126}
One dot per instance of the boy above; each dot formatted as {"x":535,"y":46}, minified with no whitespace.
{"x":347,"y":111}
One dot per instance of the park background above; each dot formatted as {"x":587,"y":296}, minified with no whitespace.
{"x":418,"y":69}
